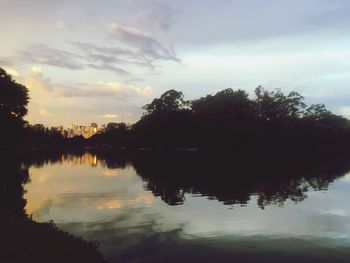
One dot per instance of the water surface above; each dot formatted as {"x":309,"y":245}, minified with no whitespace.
{"x":171,"y":209}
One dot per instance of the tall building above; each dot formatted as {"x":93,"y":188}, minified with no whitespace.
{"x":81,"y":130}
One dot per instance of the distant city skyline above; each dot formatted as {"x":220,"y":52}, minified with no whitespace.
{"x":100,"y":61}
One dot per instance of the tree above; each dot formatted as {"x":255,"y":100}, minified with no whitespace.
{"x":13,"y":107}
{"x":317,"y":112}
{"x":274,"y":105}
{"x":13,"y":96}
{"x":170,"y":101}
{"x":165,"y":121}
{"x":111,"y":126}
{"x":226,"y":103}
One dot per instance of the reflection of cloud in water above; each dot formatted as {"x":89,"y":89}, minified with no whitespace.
{"x":135,"y":236}
{"x":143,"y":199}
{"x":43,"y":209}
{"x":110,"y":173}
{"x":118,"y":172}
{"x":109,"y":203}
{"x":336,"y":212}
{"x":147,"y":199}
{"x":92,"y":201}
{"x":112,"y":204}
{"x":42,"y":178}
{"x":81,"y":189}
{"x":346,"y":178}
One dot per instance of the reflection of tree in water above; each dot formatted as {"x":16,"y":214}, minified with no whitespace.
{"x":234,"y":181}
{"x":12,"y":179}
{"x":107,"y":159}
{"x":231,"y":180}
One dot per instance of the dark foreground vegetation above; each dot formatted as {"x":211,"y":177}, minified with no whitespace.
{"x":23,"y":240}
{"x":269,"y":122}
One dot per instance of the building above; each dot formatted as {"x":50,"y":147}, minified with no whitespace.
{"x":81,"y":130}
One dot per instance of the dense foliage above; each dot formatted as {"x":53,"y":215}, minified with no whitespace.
{"x":230,"y":118}
{"x":13,"y":107}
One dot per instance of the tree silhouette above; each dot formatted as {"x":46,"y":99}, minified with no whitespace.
{"x":13,"y":107}
{"x":228,"y":103}
{"x":170,"y":101}
{"x":13,"y":96}
{"x":274,"y":105}
{"x":229,"y":119}
{"x":317,"y":112}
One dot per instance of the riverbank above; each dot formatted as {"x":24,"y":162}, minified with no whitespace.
{"x":23,"y":240}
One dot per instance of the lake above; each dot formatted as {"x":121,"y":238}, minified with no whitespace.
{"x":188,"y":208}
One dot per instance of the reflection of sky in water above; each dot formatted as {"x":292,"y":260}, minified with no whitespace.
{"x":107,"y":204}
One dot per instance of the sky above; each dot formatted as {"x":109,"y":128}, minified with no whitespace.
{"x":100,"y":61}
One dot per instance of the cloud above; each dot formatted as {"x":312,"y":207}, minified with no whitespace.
{"x":105,"y":89}
{"x":36,"y":82}
{"x":63,"y":25}
{"x":41,"y":86}
{"x":125,"y":90}
{"x":117,"y":58}
{"x":110,"y":67}
{"x":110,"y":56}
{"x":345,"y":111}
{"x":109,"y":116}
{"x":142,"y":43}
{"x":43,"y":54}
{"x":6,"y":62}
{"x":93,"y":57}
{"x":45,"y":113}
{"x":140,"y":50}
{"x":135,"y":47}
{"x":160,"y":16}
{"x":106,"y":58}
{"x":12,"y":72}
{"x":235,"y":21}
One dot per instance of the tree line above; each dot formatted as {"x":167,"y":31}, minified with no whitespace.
{"x":229,"y":119}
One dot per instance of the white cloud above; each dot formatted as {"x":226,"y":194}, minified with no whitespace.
{"x":109,"y":116}
{"x":63,"y":25}
{"x":45,"y":113}
{"x":12,"y":72}
{"x":121,"y":90}
{"x":114,"y":90}
{"x":345,"y":111}
{"x":133,"y":31}
{"x":39,"y":85}
{"x":36,"y":82}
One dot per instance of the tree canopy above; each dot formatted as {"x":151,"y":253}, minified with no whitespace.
{"x":13,"y":96}
{"x":13,"y":107}
{"x":275,"y":105}
{"x":230,"y":118}
{"x":170,"y":101}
